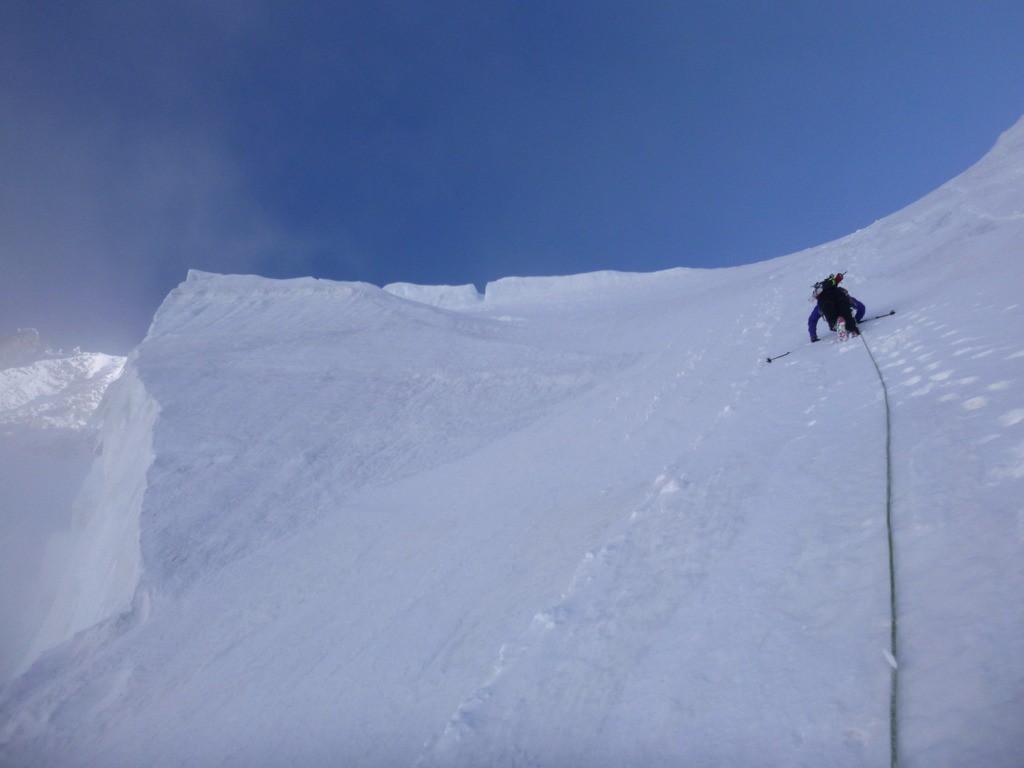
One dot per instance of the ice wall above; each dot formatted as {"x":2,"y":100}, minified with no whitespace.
{"x":104,"y":567}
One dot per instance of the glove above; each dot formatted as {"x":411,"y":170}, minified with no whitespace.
{"x":813,"y":339}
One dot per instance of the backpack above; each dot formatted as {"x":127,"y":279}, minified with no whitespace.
{"x":829,"y":283}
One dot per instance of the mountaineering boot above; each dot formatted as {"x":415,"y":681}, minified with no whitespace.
{"x":841,"y":328}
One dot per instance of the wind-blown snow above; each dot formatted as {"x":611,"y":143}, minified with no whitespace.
{"x":576,"y":521}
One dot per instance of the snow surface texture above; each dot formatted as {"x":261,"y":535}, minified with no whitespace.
{"x":576,"y":521}
{"x":47,"y":400}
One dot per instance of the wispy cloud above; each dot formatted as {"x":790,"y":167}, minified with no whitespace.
{"x":103,"y":208}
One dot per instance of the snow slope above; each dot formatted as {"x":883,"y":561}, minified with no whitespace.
{"x":47,"y":399}
{"x":575,"y":521}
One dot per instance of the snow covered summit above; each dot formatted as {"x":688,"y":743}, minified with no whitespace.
{"x":573,"y":521}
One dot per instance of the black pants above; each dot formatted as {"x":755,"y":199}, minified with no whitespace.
{"x":835,"y":304}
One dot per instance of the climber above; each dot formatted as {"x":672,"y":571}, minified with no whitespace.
{"x":833,"y":303}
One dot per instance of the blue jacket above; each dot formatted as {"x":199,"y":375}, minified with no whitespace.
{"x":812,"y":321}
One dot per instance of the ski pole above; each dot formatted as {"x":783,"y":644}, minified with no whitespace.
{"x":876,"y":317}
{"x":886,"y":314}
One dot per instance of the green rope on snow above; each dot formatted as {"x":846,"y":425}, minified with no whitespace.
{"x":894,"y":688}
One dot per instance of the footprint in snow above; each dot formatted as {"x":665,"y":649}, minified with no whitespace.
{"x":1010,"y":418}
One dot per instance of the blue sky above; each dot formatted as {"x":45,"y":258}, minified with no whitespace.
{"x":461,"y":142}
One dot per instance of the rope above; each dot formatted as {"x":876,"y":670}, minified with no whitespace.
{"x":894,"y":687}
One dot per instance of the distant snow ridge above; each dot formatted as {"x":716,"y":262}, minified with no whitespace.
{"x":43,"y":388}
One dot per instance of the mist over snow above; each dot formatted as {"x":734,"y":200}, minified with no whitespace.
{"x":47,"y":401}
{"x":570,"y":521}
